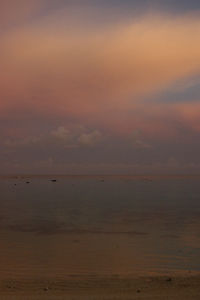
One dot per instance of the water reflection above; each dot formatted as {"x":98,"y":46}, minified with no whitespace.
{"x":88,"y":225}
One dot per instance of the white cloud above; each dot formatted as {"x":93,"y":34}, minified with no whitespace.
{"x":71,"y":136}
{"x":62,"y":133}
{"x":77,"y":136}
{"x":90,"y":139}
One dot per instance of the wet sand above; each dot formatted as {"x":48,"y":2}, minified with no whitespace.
{"x":99,"y":288}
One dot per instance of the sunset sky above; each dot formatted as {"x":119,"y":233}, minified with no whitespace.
{"x":100,"y":87}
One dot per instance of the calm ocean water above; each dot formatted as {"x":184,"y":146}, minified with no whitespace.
{"x":99,"y":226}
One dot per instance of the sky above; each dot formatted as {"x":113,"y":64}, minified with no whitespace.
{"x":100,"y":87}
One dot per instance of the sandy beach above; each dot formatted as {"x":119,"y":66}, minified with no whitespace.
{"x":74,"y":288}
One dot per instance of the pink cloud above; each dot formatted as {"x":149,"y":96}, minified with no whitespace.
{"x":101,"y":76}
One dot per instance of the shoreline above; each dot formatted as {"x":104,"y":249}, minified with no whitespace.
{"x":114,"y":287}
{"x":100,"y":176}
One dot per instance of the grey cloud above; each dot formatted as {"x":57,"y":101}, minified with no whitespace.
{"x":138,"y":141}
{"x":72,"y":136}
{"x":77,"y":136}
{"x":61,"y":133}
{"x":21,"y":142}
{"x":91,"y":138}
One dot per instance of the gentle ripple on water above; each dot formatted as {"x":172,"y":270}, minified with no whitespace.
{"x":90,"y":226}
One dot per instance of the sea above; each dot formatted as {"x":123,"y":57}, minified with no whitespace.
{"x":58,"y":226}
